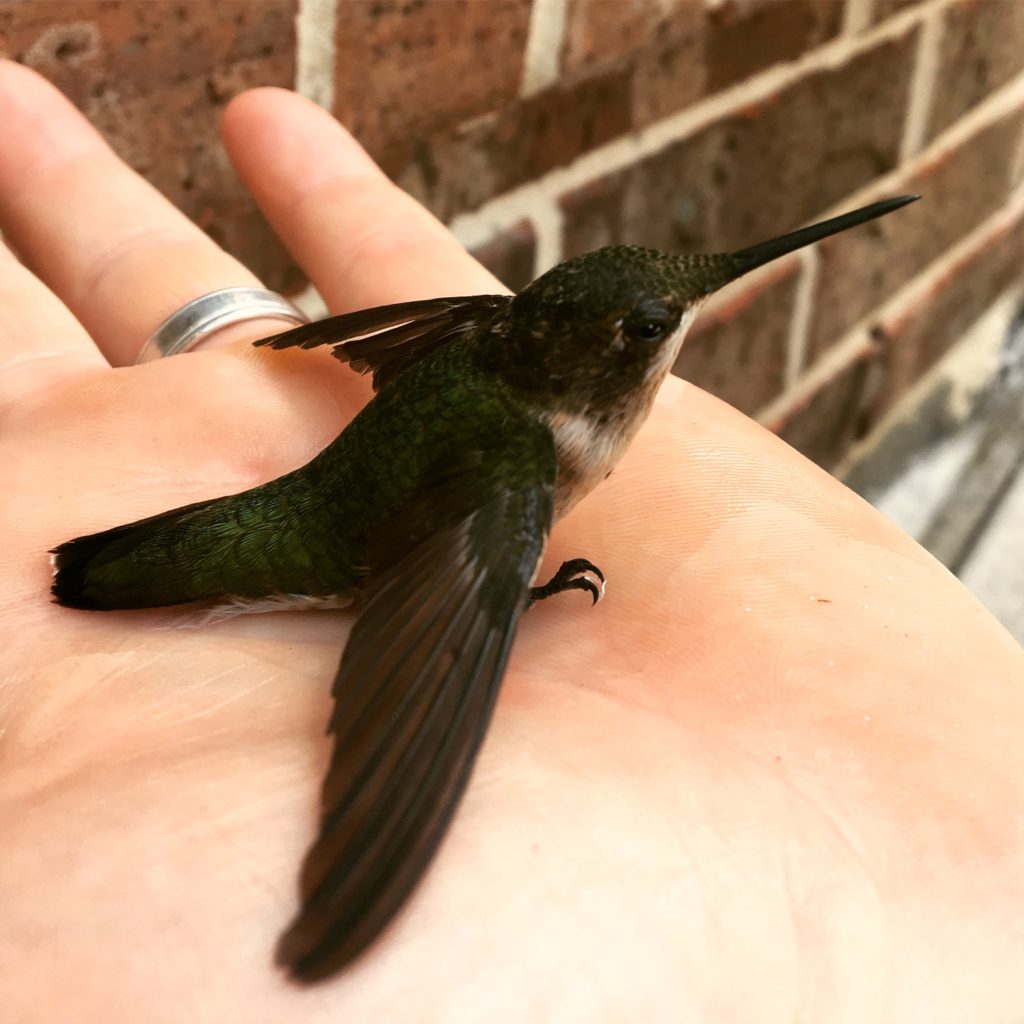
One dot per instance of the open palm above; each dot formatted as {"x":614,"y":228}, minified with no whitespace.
{"x":777,"y":774}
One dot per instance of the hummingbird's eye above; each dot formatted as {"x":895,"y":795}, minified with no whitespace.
{"x":649,"y":322}
{"x":650,"y":330}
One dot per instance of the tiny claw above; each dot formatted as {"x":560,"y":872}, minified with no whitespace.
{"x":571,"y":575}
{"x":576,"y":566}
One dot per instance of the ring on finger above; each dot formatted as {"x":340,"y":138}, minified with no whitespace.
{"x":194,"y":322}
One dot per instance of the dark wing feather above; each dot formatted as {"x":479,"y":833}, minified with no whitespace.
{"x":388,"y":339}
{"x":414,"y":693}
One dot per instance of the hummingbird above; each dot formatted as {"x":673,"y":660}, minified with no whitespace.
{"x":493,"y":415}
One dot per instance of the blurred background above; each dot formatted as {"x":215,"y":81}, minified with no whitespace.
{"x":892,"y":356}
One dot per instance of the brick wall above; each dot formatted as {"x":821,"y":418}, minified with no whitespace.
{"x":544,"y":129}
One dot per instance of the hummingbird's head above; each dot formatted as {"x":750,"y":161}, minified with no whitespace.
{"x":603,"y":324}
{"x":596,"y":329}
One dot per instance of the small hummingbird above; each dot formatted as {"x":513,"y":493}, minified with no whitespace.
{"x":493,"y":416}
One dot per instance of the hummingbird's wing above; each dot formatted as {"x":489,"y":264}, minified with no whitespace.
{"x":388,"y":339}
{"x":414,"y":693}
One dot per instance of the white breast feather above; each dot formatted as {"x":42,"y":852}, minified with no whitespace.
{"x":592,"y":447}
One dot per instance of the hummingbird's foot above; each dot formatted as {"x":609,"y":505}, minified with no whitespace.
{"x":571,"y":576}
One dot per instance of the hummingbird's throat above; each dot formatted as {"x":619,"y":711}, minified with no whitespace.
{"x":590,"y":443}
{"x":666,"y":359}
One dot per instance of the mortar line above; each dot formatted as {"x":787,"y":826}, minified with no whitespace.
{"x":800,"y":321}
{"x":853,"y":341}
{"x":546,"y":218}
{"x":315,"y":29}
{"x":922,"y":85}
{"x":541,"y":56}
{"x":311,"y":302}
{"x":1017,"y":164}
{"x":548,"y":221}
{"x":962,"y":393}
{"x":857,"y":16}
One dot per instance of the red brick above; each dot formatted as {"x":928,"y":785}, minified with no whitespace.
{"x":82,"y":44}
{"x":407,"y":69}
{"x":626,"y":65}
{"x":593,"y":215}
{"x":914,"y":339}
{"x":960,"y":188}
{"x":760,"y":172}
{"x":657,"y":47}
{"x":982,"y":47}
{"x":510,"y":255}
{"x":152,"y":78}
{"x":745,"y":36}
{"x":461,"y":169}
{"x":825,"y":423}
{"x":738,"y":350}
{"x":680,"y":51}
{"x":670,"y":73}
{"x":599,"y":34}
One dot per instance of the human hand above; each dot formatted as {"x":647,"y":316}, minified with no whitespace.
{"x":778,"y":773}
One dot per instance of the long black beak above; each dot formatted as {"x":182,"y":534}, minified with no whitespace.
{"x":745,"y":260}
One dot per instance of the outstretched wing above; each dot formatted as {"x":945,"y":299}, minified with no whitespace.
{"x":388,"y":339}
{"x":414,"y":694}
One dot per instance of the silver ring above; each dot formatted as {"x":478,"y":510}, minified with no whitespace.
{"x":197,"y":320}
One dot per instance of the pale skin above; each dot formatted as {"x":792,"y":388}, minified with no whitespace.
{"x":777,"y":775}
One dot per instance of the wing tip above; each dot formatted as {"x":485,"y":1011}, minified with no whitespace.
{"x":275,"y":341}
{"x":308,"y":958}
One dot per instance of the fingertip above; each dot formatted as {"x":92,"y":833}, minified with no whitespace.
{"x":269,"y":134}
{"x":14,"y":74}
{"x":28,"y":97}
{"x":40,"y":124}
{"x":362,"y":241}
{"x":247,"y":109}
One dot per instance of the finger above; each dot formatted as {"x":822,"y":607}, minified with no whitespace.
{"x":41,"y":343}
{"x":362,"y":241}
{"x":118,"y":254}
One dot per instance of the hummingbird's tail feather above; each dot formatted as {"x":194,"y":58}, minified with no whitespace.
{"x":241,"y":548}
{"x":146,"y":564}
